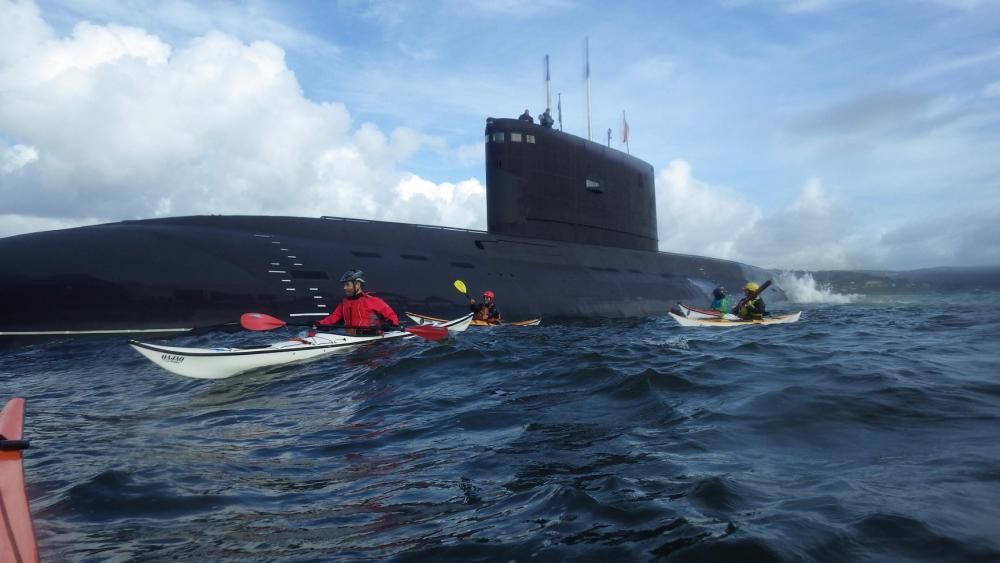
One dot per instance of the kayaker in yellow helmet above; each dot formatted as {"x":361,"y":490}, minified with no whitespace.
{"x":752,"y":305}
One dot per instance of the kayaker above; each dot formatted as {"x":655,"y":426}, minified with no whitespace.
{"x":360,"y":311}
{"x":752,"y":305}
{"x":721,"y":302}
{"x":487,"y":311}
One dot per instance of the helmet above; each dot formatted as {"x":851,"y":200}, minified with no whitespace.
{"x":488,"y":295}
{"x":353,"y":275}
{"x":719,"y":292}
{"x":751,"y":286}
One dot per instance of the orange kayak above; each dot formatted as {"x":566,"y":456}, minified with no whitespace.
{"x":17,"y":532}
{"x":425,"y":320}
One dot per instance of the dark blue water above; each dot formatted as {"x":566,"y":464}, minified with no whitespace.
{"x":866,"y":432}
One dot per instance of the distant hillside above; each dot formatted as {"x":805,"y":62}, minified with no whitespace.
{"x":985,"y":278}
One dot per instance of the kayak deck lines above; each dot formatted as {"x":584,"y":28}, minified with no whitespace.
{"x":717,"y":322}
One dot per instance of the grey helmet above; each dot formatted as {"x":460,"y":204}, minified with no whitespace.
{"x":353,"y":275}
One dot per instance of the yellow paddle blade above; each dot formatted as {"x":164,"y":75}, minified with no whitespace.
{"x":460,"y":285}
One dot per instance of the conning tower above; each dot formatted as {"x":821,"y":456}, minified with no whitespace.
{"x":548,"y":184}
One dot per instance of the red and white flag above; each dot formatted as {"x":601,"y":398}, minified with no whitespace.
{"x":624,"y":129}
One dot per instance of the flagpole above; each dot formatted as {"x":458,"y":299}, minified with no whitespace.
{"x":625,"y":133}
{"x":560,"y":110}
{"x":548,"y":85}
{"x":587,"y":51}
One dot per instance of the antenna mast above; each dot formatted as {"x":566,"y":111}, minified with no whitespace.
{"x":548,"y":85}
{"x":587,"y":53}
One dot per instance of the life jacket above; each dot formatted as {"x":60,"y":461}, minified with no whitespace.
{"x":487,"y":312}
{"x":363,"y":310}
{"x":748,"y":309}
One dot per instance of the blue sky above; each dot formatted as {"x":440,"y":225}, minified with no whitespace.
{"x":784,"y":133}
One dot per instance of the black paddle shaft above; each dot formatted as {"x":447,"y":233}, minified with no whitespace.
{"x":760,"y":289}
{"x":14,"y":445}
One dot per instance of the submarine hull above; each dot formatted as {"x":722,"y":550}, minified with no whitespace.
{"x":572,"y":232}
{"x":177,"y":274}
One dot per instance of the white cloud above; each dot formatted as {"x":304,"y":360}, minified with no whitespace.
{"x":458,"y":203}
{"x":964,"y":237}
{"x":249,"y":21}
{"x":815,"y":231}
{"x":472,"y":154}
{"x":793,"y":6}
{"x":512,"y":8}
{"x":698,"y":218}
{"x":112,"y":122}
{"x":15,"y":158}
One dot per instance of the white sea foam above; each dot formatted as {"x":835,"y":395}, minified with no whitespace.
{"x":802,"y":288}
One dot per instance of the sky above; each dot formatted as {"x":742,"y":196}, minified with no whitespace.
{"x":792,"y":134}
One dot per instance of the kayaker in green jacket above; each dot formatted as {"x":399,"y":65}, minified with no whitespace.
{"x":751,"y":306}
{"x":721,"y":302}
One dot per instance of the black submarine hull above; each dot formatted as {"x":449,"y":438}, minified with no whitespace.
{"x":176,"y":274}
{"x":571,"y":232}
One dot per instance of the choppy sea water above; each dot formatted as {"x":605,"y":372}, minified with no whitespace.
{"x":868,"y":431}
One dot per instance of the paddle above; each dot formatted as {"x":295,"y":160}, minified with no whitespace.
{"x":755,"y":294}
{"x":13,"y":445}
{"x":761,"y":289}
{"x":260,"y":321}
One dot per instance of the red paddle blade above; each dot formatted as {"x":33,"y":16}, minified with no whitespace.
{"x":260,"y":321}
{"x":429,"y":332}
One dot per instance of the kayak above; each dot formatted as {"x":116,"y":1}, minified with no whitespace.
{"x":696,"y":313}
{"x":220,"y":363}
{"x":17,"y":532}
{"x":771,"y":320}
{"x":434,"y":321}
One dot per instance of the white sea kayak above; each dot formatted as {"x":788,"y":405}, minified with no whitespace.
{"x":696,"y":313}
{"x":716,"y":322}
{"x":220,"y":363}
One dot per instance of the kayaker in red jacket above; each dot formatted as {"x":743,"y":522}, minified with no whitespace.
{"x":360,"y":312}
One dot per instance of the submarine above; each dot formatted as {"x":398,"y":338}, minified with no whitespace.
{"x":571,"y":232}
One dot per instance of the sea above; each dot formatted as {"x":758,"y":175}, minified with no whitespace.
{"x":867,"y":431}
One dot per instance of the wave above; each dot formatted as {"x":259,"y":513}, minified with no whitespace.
{"x":802,"y":288}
